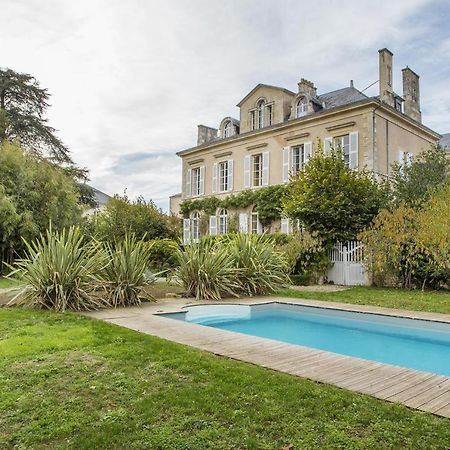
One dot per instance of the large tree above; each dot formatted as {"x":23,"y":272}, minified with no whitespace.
{"x":23,"y":105}
{"x":33,"y":193}
{"x":329,"y":198}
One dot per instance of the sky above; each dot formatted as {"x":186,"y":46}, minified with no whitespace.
{"x":131,"y":80}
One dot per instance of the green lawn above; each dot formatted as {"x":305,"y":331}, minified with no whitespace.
{"x":70,"y":382}
{"x":7,"y":283}
{"x":432,"y":301}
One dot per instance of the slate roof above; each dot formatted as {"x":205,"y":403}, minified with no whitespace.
{"x":100,"y":197}
{"x":445,"y":141}
{"x":341,"y":97}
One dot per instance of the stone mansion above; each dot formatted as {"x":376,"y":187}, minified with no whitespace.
{"x":279,"y":130}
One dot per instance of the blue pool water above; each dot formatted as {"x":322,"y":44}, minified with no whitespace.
{"x":417,"y":344}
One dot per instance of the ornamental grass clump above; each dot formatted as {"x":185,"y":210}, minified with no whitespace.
{"x":207,"y":271}
{"x":262,"y":270}
{"x":60,"y":272}
{"x":238,"y":264}
{"x":126,"y":274}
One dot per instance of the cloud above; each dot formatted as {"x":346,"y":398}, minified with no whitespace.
{"x":131,"y":80}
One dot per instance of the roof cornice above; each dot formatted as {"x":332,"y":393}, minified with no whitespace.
{"x":311,"y":118}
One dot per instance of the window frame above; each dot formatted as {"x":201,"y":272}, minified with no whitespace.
{"x":222,"y":221}
{"x":254,"y":159}
{"x":195,"y":226}
{"x":343,"y":147}
{"x":260,"y":109}
{"x":222,"y":176}
{"x":301,"y":158}
{"x":303,"y":110}
{"x":196,"y":181}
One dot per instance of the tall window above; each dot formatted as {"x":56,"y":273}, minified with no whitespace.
{"x":254,"y":221}
{"x":298,"y":158}
{"x":228,"y":129}
{"x":195,"y":226}
{"x":196,"y":189}
{"x":260,"y":110}
{"x":223,"y":176}
{"x":269,"y":115}
{"x":257,"y":170}
{"x":342,"y":144}
{"x":252,"y":120}
{"x":223,"y":221}
{"x":302,"y":107}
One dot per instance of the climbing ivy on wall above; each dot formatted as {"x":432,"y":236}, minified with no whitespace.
{"x":267,"y":202}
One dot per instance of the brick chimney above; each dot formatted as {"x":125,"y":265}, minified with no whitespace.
{"x":385,"y":77}
{"x":206,"y":134}
{"x":411,"y":94}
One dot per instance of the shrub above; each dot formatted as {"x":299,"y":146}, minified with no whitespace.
{"x":207,"y":271}
{"x":163,"y":255}
{"x":60,"y":272}
{"x":412,"y":244}
{"x":232,"y":265}
{"x":306,"y":256}
{"x":126,"y":274}
{"x":262,"y":269}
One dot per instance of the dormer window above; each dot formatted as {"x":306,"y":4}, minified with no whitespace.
{"x":228,"y":129}
{"x":260,"y":109}
{"x":302,"y":108}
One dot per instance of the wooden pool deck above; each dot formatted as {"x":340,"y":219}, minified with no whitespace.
{"x":419,"y":390}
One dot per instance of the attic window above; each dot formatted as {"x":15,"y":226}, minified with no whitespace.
{"x":228,"y":129}
{"x":260,"y":112}
{"x":302,"y":108}
{"x":398,"y":104}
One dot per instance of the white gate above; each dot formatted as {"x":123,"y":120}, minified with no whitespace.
{"x":348,"y":269}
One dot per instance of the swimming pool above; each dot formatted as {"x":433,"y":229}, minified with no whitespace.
{"x":411,"y":343}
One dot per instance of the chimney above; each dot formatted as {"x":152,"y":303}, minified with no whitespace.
{"x":385,"y":77}
{"x":307,"y":87}
{"x":411,"y":94}
{"x":206,"y":134}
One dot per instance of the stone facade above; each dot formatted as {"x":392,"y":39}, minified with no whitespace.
{"x":280,"y":130}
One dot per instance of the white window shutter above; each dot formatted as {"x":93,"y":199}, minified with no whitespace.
{"x":214,"y":178}
{"x":202,"y":180}
{"x":353,"y":152}
{"x":308,"y":152}
{"x":243,"y":223}
{"x":247,"y":171}
{"x":230,"y":174}
{"x":188,"y":183}
{"x":212,"y":225}
{"x":186,"y":231}
{"x":285,"y":226}
{"x":265,"y":171}
{"x":327,"y":145}
{"x":286,"y":163}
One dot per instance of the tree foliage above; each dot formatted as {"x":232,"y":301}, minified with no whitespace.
{"x":122,"y":216}
{"x":414,"y":183}
{"x":412,"y":244}
{"x":333,"y":200}
{"x":23,"y":104}
{"x":33,"y":193}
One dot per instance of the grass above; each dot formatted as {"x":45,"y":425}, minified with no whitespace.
{"x":69,"y":382}
{"x":8,"y":283}
{"x":432,"y":301}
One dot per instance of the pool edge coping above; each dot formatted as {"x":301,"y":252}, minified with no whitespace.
{"x":367,"y":374}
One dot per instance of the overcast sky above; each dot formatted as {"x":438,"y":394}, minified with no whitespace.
{"x":131,"y":80}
